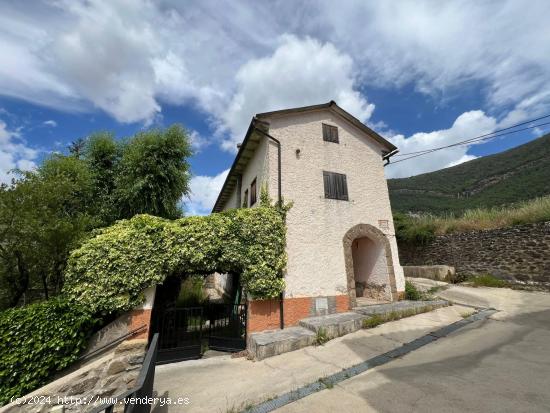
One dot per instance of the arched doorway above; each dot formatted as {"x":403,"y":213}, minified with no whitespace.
{"x":369,"y":264}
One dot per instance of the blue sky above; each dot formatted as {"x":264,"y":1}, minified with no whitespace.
{"x":423,"y":74}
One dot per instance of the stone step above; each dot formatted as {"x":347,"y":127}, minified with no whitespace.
{"x":334,"y":325}
{"x":399,"y":307}
{"x":275,"y":342}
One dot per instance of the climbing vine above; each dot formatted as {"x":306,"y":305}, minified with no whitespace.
{"x":110,"y":271}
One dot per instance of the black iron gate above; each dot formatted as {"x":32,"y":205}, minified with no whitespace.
{"x":227,"y":327}
{"x":184,"y":331}
{"x":180,"y":334}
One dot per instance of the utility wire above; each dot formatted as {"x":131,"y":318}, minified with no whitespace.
{"x":466,"y":142}
{"x":480,"y":137}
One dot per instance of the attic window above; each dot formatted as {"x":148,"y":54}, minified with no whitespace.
{"x":330,"y":133}
{"x":336,"y":186}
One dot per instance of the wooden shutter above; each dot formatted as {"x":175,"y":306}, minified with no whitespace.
{"x":336,"y":186}
{"x":253,"y":194}
{"x":330,"y":133}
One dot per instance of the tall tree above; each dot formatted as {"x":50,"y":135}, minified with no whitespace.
{"x":42,"y":215}
{"x":154,"y":173}
{"x":46,"y":212}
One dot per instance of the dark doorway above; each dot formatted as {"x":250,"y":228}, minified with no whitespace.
{"x":186,"y":331}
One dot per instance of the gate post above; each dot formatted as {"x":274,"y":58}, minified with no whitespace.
{"x":141,"y":315}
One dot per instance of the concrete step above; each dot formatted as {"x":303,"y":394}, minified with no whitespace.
{"x":334,"y":325}
{"x":404,"y":306}
{"x":275,"y":342}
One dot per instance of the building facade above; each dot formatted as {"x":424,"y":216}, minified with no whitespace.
{"x":341,"y":242}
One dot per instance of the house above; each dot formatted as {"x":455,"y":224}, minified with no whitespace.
{"x":340,"y":236}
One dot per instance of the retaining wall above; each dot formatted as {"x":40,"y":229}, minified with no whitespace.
{"x":520,"y":253}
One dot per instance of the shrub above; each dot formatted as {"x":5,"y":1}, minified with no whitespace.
{"x":37,"y":341}
{"x":488,"y":280}
{"x":110,"y":271}
{"x":411,"y":292}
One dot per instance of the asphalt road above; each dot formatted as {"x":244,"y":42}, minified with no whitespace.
{"x":498,"y":365}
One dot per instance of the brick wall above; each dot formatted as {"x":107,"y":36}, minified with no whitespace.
{"x":137,"y":319}
{"x":265,"y":314}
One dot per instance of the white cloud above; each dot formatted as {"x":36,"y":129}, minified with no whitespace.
{"x":14,"y":153}
{"x":50,"y":122}
{"x":300,"y":72}
{"x":466,"y":126}
{"x":198,"y":142}
{"x":232,"y":60}
{"x":204,"y":191}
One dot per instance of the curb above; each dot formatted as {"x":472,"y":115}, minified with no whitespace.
{"x":329,"y":381}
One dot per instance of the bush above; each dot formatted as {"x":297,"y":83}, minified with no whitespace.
{"x":488,"y":280}
{"x":37,"y":341}
{"x":110,"y":271}
{"x":411,"y":292}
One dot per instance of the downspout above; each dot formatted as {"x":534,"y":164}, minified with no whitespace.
{"x":280,"y":203}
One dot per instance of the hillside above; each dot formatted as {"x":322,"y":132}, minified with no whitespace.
{"x":518,"y":174}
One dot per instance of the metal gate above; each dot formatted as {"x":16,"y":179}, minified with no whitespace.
{"x":227,"y":327}
{"x":183,"y":331}
{"x":180,"y":334}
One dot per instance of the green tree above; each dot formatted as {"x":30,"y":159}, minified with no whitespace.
{"x":42,"y":216}
{"x":45,"y":213}
{"x":102,"y":153}
{"x":153,"y":174}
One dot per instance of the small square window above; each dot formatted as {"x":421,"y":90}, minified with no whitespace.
{"x":330,"y":133}
{"x":336,"y":186}
{"x":253,"y":192}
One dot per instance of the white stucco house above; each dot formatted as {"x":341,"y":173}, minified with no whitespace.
{"x":341,"y":242}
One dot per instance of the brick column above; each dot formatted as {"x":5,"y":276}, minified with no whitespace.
{"x":141,"y":315}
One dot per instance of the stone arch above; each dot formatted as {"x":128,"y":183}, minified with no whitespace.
{"x":369,"y":231}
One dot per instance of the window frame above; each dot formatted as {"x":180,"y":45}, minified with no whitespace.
{"x":330,"y":133}
{"x":337,"y":190}
{"x":245,"y":203}
{"x":253,"y":192}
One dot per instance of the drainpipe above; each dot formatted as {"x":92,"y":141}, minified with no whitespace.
{"x":280,"y":203}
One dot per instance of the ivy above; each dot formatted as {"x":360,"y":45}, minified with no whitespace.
{"x":113,"y":267}
{"x":37,"y":341}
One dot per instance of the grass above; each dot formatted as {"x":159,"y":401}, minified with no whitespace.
{"x":488,"y":280}
{"x":321,"y":337}
{"x":421,"y":229}
{"x":377,"y":319}
{"x":412,"y":293}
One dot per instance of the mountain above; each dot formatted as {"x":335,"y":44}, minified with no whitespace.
{"x":515,"y":175}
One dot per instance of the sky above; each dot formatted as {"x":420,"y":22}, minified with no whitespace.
{"x":421,"y":73}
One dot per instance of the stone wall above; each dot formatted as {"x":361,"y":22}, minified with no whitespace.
{"x":108,"y":376}
{"x":520,"y":253}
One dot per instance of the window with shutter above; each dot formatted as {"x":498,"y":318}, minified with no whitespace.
{"x":245,"y":200}
{"x":253,"y":195}
{"x":336,"y":186}
{"x":330,"y":133}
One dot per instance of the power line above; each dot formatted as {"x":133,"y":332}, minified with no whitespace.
{"x":487,"y":135}
{"x":480,"y":138}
